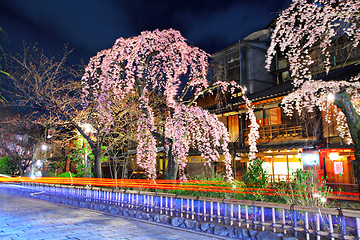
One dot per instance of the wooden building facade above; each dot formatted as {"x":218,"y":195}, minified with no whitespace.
{"x":286,"y":143}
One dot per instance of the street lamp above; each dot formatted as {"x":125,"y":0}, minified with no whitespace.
{"x":330,"y":97}
{"x":44,"y":147}
{"x":42,"y":164}
{"x":87,"y":128}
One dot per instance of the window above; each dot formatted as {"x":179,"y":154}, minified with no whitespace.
{"x":267,"y":117}
{"x":285,"y":76}
{"x":272,"y":116}
{"x":233,"y":125}
{"x":282,"y":63}
{"x":259,"y":117}
{"x":282,"y":73}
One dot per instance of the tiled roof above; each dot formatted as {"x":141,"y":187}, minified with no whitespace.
{"x":336,"y":145}
{"x":295,"y":144}
{"x":275,"y":91}
{"x":281,"y":145}
{"x":285,"y":88}
{"x":340,"y":73}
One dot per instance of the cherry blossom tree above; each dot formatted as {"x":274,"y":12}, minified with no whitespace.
{"x":163,"y":62}
{"x":50,"y":91}
{"x":307,"y":33}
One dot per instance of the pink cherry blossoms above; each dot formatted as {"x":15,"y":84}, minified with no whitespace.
{"x":195,"y":127}
{"x":306,"y":33}
{"x":146,"y":150}
{"x":254,"y":127}
{"x":318,"y":93}
{"x":309,"y":24}
{"x":156,"y":61}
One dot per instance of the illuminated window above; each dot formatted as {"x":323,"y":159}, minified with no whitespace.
{"x":233,"y":126}
{"x":272,"y":116}
{"x":259,"y":117}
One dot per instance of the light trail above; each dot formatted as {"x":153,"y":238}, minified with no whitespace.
{"x":176,"y":185}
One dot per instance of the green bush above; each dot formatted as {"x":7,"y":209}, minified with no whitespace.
{"x":216,"y":181}
{"x":57,"y":162}
{"x":255,"y":176}
{"x":66,"y":174}
{"x":8,"y":166}
{"x":306,"y":190}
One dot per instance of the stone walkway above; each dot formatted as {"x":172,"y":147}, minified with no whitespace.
{"x":24,"y":218}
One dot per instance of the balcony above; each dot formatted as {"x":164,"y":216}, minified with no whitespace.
{"x":277,"y":132}
{"x":342,"y":53}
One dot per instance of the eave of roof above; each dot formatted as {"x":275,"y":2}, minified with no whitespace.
{"x":296,"y":144}
{"x":272,"y":92}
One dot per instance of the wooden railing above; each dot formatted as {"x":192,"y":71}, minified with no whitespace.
{"x":341,"y":53}
{"x":277,"y":132}
{"x":280,"y":177}
{"x":343,"y":187}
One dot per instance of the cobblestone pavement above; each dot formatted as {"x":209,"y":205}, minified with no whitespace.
{"x":24,"y":218}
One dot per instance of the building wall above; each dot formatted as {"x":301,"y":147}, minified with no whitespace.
{"x":244,"y":62}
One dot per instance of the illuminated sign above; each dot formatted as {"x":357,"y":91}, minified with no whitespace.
{"x":310,"y":158}
{"x":338,"y":168}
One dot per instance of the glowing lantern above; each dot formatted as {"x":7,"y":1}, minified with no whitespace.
{"x":334,"y":156}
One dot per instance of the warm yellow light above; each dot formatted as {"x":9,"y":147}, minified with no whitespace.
{"x":44,"y":147}
{"x":334,"y":156}
{"x":330,"y":97}
{"x":87,"y":128}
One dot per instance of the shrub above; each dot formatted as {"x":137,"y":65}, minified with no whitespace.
{"x":255,"y":175}
{"x":57,"y":162}
{"x":8,"y":166}
{"x":206,"y":182}
{"x":66,"y":174}
{"x":306,"y":190}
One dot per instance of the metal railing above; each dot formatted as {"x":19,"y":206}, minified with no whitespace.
{"x":291,"y":220}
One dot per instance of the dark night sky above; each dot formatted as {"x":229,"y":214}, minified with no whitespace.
{"x":89,"y":26}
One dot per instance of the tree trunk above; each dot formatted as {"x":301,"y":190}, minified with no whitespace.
{"x":22,"y":171}
{"x":342,"y":101}
{"x":172,"y":167}
{"x":97,"y":164}
{"x":20,"y":166}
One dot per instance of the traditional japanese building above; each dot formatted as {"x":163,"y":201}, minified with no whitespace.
{"x":286,"y":143}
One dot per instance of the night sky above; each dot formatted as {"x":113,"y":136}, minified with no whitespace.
{"x":89,"y":26}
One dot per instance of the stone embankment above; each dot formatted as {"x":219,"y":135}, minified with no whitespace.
{"x":223,"y":230}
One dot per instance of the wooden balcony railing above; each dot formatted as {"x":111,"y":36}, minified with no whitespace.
{"x":343,"y":187}
{"x":281,"y":178}
{"x":342,"y":53}
{"x":277,"y":132}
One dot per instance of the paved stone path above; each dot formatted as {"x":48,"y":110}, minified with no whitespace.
{"x":24,"y":218}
